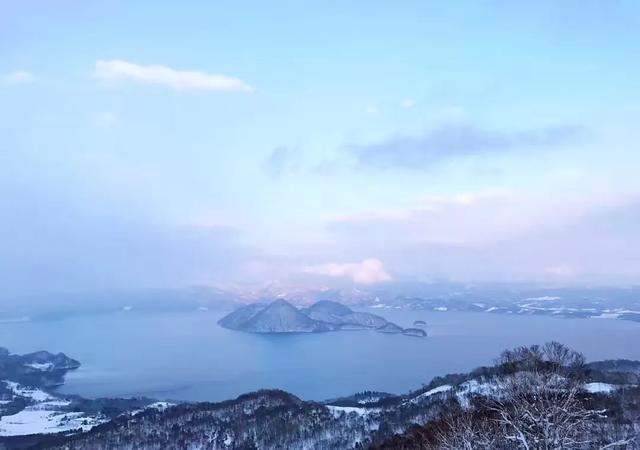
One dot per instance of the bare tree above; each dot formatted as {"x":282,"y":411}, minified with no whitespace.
{"x":541,"y":410}
{"x":536,"y":404}
{"x":465,"y":431}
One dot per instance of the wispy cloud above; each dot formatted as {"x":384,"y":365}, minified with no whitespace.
{"x":19,"y":76}
{"x":368,"y":271}
{"x":458,"y":140}
{"x":118,"y":70}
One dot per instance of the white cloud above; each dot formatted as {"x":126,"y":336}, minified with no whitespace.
{"x":368,"y":271}
{"x":19,"y":76}
{"x":408,"y":103}
{"x":118,"y":70}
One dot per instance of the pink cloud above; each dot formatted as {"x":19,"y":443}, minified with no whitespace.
{"x":368,"y":271}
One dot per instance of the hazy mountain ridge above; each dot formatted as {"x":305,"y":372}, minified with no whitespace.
{"x":496,"y":298}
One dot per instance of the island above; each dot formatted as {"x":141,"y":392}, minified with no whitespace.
{"x":280,"y":316}
{"x":415,"y":332}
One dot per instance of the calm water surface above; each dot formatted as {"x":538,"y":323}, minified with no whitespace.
{"x":187,"y":356}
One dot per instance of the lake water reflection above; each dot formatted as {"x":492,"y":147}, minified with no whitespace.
{"x":187,"y":356}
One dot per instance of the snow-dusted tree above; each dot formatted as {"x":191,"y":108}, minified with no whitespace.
{"x":541,"y":410}
{"x":466,"y":431}
{"x":536,"y":404}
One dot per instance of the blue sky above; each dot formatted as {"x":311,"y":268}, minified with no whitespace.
{"x":164,"y":143}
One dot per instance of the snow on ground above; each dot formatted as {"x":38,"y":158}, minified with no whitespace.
{"x":614,"y":313}
{"x":43,"y":367}
{"x":368,"y":400}
{"x":33,"y":420}
{"x":429,"y":393}
{"x":474,"y":387}
{"x":441,"y":308}
{"x":36,"y":395}
{"x":337,"y":411}
{"x":607,"y":316}
{"x":45,"y":415}
{"x":600,"y":388}
{"x":160,"y":406}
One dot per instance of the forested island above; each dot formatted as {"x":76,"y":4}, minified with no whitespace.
{"x":281,"y":316}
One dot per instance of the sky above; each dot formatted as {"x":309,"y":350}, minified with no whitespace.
{"x":162,"y":144}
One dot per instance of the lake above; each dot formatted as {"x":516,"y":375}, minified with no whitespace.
{"x":187,"y":356}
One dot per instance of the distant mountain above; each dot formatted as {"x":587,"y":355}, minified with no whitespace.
{"x":282,"y":317}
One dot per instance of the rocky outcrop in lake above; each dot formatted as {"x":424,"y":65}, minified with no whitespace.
{"x":415,"y":332}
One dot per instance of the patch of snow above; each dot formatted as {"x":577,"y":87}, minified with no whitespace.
{"x":544,"y":298}
{"x":440,"y":308}
{"x":474,"y":387}
{"x":160,"y":406}
{"x":36,"y":395}
{"x":493,"y":308}
{"x":429,"y":393}
{"x":607,"y":316}
{"x":369,"y":400}
{"x":45,"y":416}
{"x":337,"y":411}
{"x":43,"y":367}
{"x":600,"y":388}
